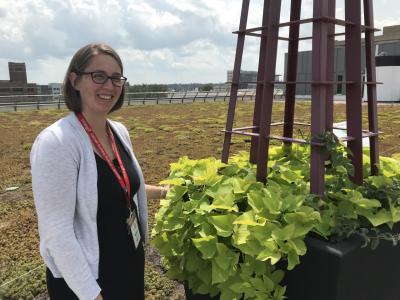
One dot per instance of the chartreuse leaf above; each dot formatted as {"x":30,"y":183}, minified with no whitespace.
{"x":218,"y":274}
{"x":270,"y":251}
{"x":347,"y":209}
{"x":226,"y":259}
{"x":223,"y":197}
{"x":223,"y":224}
{"x":380,"y":181}
{"x":277,"y":276}
{"x":250,"y":246}
{"x":168,"y":245}
{"x":381,"y":217}
{"x":241,"y":234}
{"x":176,"y":193}
{"x":206,"y":172}
{"x":284,"y":233}
{"x":298,"y":246}
{"x":255,"y":265}
{"x":389,"y":166}
{"x":395,"y":211}
{"x":279,"y":293}
{"x":239,"y":185}
{"x":272,"y":201}
{"x":173,"y":181}
{"x":193,"y":261}
{"x":249,"y":218}
{"x":357,"y":198}
{"x":206,"y":245}
{"x":206,"y":230}
{"x":243,"y":287}
{"x":293,"y":259}
{"x":292,"y":202}
{"x":224,"y":264}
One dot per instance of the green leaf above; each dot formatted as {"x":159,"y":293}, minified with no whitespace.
{"x":193,"y":261}
{"x":381,"y":217}
{"x":223,"y":224}
{"x":293,"y":259}
{"x":357,"y":198}
{"x":226,"y":259}
{"x":241,"y":234}
{"x":380,"y":181}
{"x":206,"y":245}
{"x":277,"y":276}
{"x":218,"y":273}
{"x":249,"y":218}
{"x":239,"y":185}
{"x":176,"y":192}
{"x":223,"y":197}
{"x":298,"y":246}
{"x":271,"y":252}
{"x":243,"y":287}
{"x":284,"y":233}
{"x":347,"y":209}
{"x":206,"y":172}
{"x":173,"y":181}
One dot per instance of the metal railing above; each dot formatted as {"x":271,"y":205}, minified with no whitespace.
{"x":21,"y":102}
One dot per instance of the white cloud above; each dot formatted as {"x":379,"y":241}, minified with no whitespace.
{"x":152,"y":17}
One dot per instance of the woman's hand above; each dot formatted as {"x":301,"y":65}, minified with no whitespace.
{"x":156,"y":192}
{"x":99,"y":297}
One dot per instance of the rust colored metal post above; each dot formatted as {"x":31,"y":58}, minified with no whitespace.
{"x":318,"y":96}
{"x":330,"y":66}
{"x":268,"y":88}
{"x":235,"y":81}
{"x":291,"y":69}
{"x":353,"y":89}
{"x":371,"y":88}
{"x":259,"y":87}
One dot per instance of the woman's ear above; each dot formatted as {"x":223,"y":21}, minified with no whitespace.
{"x":72,"y":79}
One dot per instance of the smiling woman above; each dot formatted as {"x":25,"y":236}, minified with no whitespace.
{"x":89,"y":190}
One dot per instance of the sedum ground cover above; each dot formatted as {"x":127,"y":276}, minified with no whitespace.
{"x":161,"y":134}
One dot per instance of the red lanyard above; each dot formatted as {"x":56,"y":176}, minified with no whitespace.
{"x":123,"y":181}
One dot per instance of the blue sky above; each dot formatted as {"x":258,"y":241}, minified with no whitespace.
{"x":160,"y":41}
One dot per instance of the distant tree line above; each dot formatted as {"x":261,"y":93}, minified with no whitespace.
{"x":178,"y":87}
{"x":141,"y":90}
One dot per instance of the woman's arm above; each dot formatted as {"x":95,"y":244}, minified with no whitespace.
{"x":156,"y":192}
{"x":54,"y":184}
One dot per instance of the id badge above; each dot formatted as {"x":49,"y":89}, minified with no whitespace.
{"x":135,"y":230}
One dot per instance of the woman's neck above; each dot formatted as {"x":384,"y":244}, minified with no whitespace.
{"x":98,"y":123}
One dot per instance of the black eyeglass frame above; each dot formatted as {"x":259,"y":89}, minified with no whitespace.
{"x":116,"y":77}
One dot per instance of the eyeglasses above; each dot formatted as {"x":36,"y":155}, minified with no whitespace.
{"x":101,"y":78}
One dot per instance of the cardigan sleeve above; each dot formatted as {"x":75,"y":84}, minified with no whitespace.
{"x":54,"y":183}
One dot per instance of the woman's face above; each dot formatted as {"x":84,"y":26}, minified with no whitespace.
{"x":98,"y":98}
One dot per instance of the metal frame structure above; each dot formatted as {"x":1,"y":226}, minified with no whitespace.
{"x":323,"y":44}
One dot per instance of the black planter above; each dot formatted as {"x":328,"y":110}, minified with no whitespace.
{"x":191,"y":296}
{"x":345,"y":271}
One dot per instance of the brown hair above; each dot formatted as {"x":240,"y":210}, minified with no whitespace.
{"x":79,"y":62}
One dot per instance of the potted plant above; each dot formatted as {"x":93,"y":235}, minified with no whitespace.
{"x":228,"y":236}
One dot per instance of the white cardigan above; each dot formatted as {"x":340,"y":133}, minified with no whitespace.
{"x":64,"y":183}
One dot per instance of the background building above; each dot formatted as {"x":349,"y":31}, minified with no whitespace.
{"x":17,"y":89}
{"x":387,"y":44}
{"x":17,"y":85}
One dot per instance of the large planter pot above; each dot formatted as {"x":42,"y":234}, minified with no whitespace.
{"x":191,"y":296}
{"x":345,"y":271}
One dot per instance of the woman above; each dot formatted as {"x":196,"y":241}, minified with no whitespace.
{"x":89,"y":191}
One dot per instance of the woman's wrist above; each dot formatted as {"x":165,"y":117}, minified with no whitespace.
{"x":163,"y":192}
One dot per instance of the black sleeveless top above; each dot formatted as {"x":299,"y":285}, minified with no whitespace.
{"x":121,"y":266}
